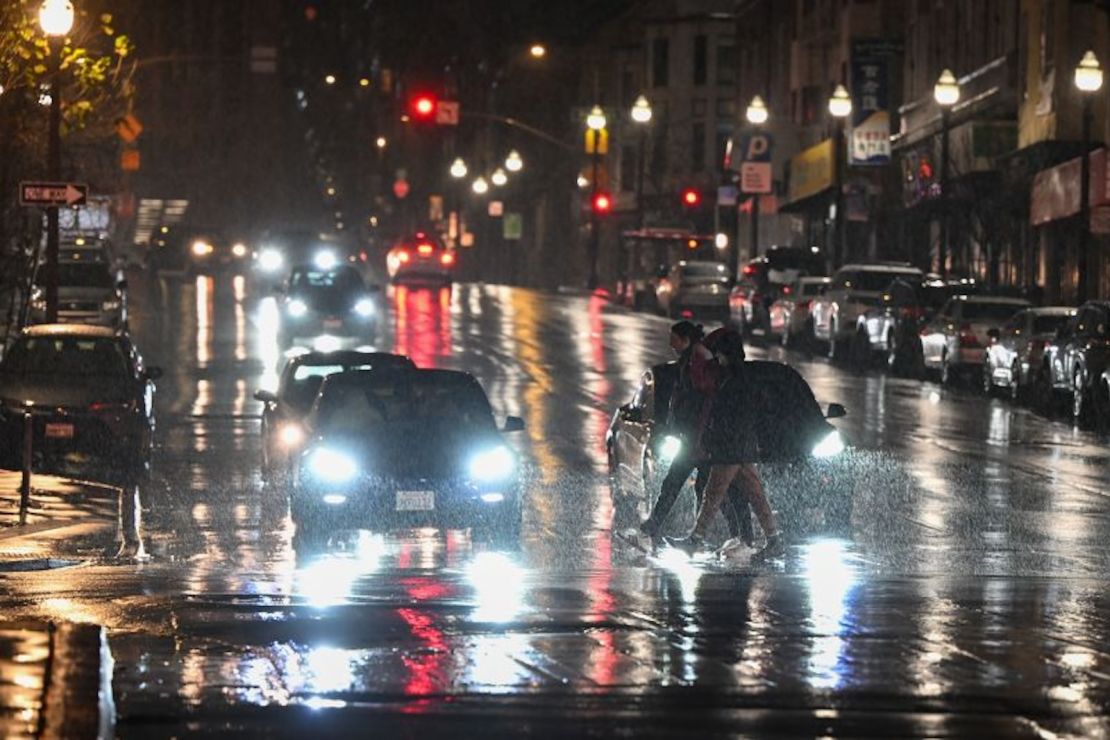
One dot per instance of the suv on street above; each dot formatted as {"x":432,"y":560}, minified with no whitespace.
{"x":855,"y":290}
{"x":1076,"y":366}
{"x":89,"y":292}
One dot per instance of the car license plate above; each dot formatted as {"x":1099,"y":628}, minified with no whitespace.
{"x":333,"y":323}
{"x":59,"y":431}
{"x":416,"y":500}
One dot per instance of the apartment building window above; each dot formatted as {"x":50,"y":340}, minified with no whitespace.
{"x":660,"y":62}
{"x":697,"y":108}
{"x":726,"y":65}
{"x":701,"y":59}
{"x":726,"y":109}
{"x":697,"y":147}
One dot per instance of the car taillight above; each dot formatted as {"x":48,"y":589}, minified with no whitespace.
{"x":748,"y":270}
{"x":447,"y":259}
{"x":967,"y":337}
{"x":107,"y":408}
{"x":425,"y":249}
{"x":403,"y":257}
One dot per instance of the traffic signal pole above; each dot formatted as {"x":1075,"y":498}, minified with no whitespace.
{"x":595,"y":223}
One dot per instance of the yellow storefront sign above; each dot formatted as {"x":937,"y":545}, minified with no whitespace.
{"x":812,"y":171}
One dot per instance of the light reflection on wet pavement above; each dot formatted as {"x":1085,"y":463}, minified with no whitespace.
{"x":968,"y":597}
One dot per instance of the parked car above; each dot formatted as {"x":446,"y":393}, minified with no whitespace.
{"x":332,"y":301}
{"x":1016,"y":350}
{"x":410,"y":448}
{"x":285,"y":409}
{"x":789,"y":315}
{"x":854,"y":290}
{"x":90,"y":291}
{"x":696,"y":289}
{"x":804,"y":465}
{"x":1074,"y":370}
{"x":762,"y":281}
{"x":88,"y":392}
{"x":956,"y":339}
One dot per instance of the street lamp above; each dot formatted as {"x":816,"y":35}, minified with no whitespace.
{"x":458,"y":168}
{"x":514,"y":162}
{"x":641,"y":116}
{"x":595,"y":122}
{"x":840,"y":107}
{"x":1088,"y":80}
{"x":56,"y":19}
{"x":757,"y":115}
{"x":947,"y":93}
{"x":480,"y":186}
{"x":381,"y":142}
{"x":538,"y":51}
{"x":499,"y":178}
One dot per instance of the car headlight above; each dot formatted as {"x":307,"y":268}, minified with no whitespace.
{"x":110,"y":305}
{"x":239,"y":249}
{"x":325,"y":260}
{"x":495,"y":464}
{"x":291,"y":434}
{"x":669,"y":448}
{"x":331,"y":466}
{"x":297,"y":308}
{"x":831,"y":446}
{"x":365,"y":307}
{"x":270,"y":260}
{"x":202,"y":248}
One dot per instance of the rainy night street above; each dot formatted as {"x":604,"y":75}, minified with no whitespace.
{"x":967,"y":595}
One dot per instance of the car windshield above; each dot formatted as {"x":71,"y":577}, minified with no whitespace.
{"x":409,"y":404}
{"x":1049,"y":324}
{"x":712,"y":270}
{"x":85,"y":275}
{"x":877,"y":281}
{"x":42,"y":356}
{"x":344,"y":280}
{"x":804,"y":261}
{"x":974,"y":311}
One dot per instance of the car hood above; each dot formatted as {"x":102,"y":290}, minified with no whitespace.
{"x":419,"y":454}
{"x":61,"y":391}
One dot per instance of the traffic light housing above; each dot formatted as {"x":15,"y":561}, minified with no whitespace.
{"x":422,"y":107}
{"x":602,"y":203}
{"x":691,"y":198}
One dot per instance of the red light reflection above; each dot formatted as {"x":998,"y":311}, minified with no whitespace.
{"x":423,"y":324}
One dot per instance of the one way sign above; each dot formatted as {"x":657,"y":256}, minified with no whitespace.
{"x":52,"y":194}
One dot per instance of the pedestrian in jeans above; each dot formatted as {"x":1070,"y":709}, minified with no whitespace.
{"x":730,"y":446}
{"x":687,"y":412}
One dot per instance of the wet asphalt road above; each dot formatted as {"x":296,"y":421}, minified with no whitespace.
{"x":969,"y":599}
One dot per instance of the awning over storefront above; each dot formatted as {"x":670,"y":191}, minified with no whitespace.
{"x":1056,"y":193}
{"x":812,"y":172}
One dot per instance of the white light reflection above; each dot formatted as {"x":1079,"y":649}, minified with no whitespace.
{"x":204,"y":320}
{"x":831,"y":578}
{"x":329,"y":669}
{"x":681,"y":566}
{"x":326,"y":343}
{"x":329,"y":580}
{"x":268,"y":320}
{"x":498,"y":584}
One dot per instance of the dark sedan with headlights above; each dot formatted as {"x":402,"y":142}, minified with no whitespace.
{"x":286,"y":408}
{"x":88,"y":393}
{"x":410,"y":448}
{"x":803,"y":456}
{"x":334,"y":302}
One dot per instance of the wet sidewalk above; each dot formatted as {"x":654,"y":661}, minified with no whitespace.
{"x":55,"y":681}
{"x":56,"y":504}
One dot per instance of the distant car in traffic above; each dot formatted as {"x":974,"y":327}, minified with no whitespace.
{"x":277,"y":252}
{"x":286,"y":408}
{"x":190,"y":252}
{"x":854,"y":290}
{"x":88,"y":392}
{"x":763,"y":281}
{"x":789,"y":314}
{"x":1076,"y":367}
{"x":696,"y":289}
{"x":1016,"y":350}
{"x":405,"y":449}
{"x":90,"y":291}
{"x":956,"y":339}
{"x":334,"y":302}
{"x":421,"y":258}
{"x":805,"y":472}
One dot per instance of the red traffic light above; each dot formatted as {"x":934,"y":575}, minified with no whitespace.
{"x":423,"y":106}
{"x":691,"y":198}
{"x":602,"y":203}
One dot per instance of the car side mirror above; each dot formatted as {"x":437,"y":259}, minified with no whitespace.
{"x":153,"y":373}
{"x":513,"y":424}
{"x":265,"y":396}
{"x":836,"y":411}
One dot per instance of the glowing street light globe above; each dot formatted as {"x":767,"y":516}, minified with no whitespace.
{"x":458,"y":169}
{"x":947,"y":90}
{"x":538,"y":51}
{"x":596,"y":119}
{"x":514,"y":162}
{"x":840,"y":104}
{"x":1088,"y":75}
{"x":641,"y":110}
{"x":499,"y":178}
{"x":56,"y":17}
{"x":757,"y":111}
{"x":480,"y":186}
